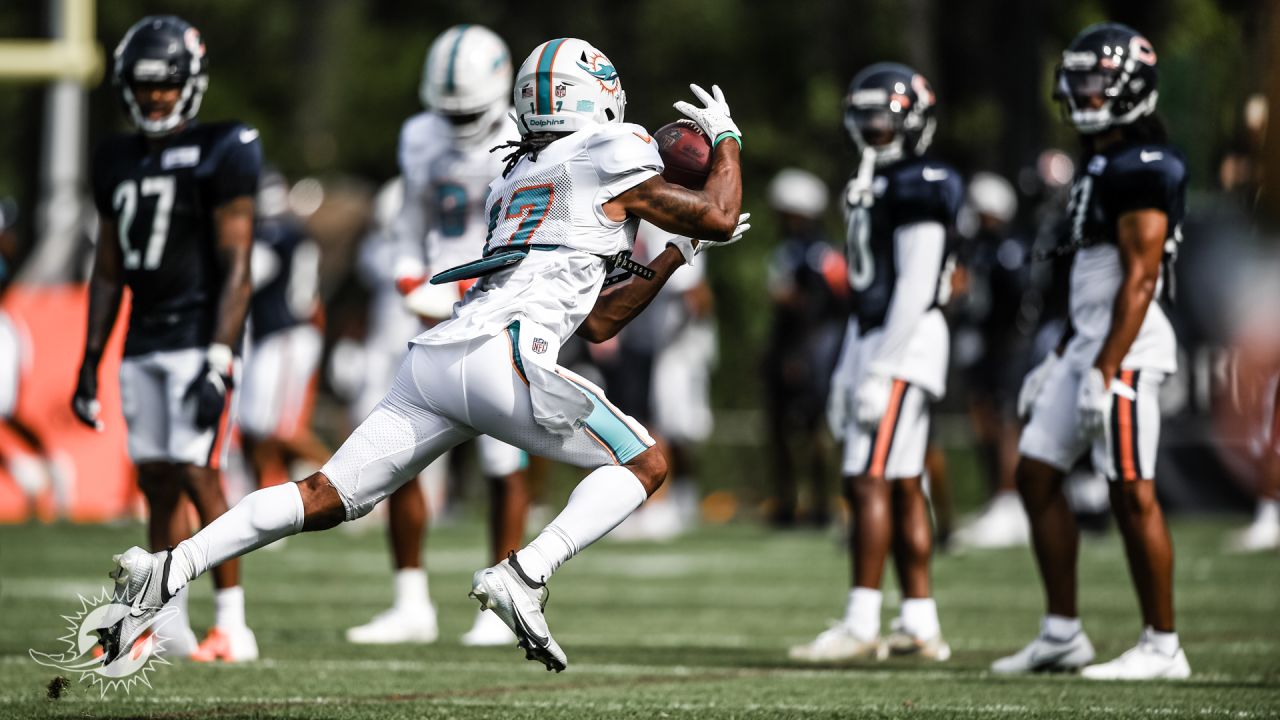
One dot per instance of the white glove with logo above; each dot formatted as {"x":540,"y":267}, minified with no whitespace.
{"x":1032,"y":384}
{"x":1093,"y":403}
{"x":872,"y":400}
{"x":714,"y":117}
{"x":689,"y":249}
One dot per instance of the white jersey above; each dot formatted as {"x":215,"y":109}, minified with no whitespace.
{"x":554,"y":206}
{"x":1096,"y":276}
{"x":442,"y":223}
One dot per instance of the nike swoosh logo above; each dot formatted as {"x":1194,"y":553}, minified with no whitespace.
{"x":933,"y":174}
{"x":1147,"y":157}
{"x":541,"y":640}
{"x":645,"y":138}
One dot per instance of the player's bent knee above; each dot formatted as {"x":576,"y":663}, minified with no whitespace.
{"x":322,"y":506}
{"x":650,"y":468}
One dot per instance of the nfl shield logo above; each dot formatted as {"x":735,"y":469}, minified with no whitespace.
{"x":539,"y":345}
{"x":561,"y":90}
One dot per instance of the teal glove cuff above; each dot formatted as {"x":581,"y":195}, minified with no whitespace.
{"x":727,"y":134}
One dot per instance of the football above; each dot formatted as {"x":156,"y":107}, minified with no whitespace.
{"x":686,"y":153}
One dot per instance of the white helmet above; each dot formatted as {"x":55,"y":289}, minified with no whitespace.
{"x":798,"y":192}
{"x":466,"y":78}
{"x":565,"y":85}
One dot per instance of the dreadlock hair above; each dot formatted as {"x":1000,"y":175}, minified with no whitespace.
{"x":530,"y":145}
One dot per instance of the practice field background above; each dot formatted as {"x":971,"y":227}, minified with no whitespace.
{"x":697,"y":628}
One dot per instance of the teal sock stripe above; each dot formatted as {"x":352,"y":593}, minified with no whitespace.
{"x":542,"y":97}
{"x":453,"y":58}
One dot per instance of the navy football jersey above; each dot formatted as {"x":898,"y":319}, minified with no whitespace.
{"x":162,"y":195}
{"x":1124,"y":178}
{"x":289,"y":297}
{"x":909,"y":191}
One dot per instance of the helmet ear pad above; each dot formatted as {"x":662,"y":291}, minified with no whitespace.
{"x":161,"y":49}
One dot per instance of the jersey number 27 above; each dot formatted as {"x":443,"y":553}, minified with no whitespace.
{"x":125,"y":202}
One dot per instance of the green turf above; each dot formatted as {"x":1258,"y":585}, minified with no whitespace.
{"x":694,"y":629}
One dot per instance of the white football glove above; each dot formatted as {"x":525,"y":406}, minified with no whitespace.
{"x":689,"y":249}
{"x":1032,"y":384}
{"x":714,"y":117}
{"x":1093,"y":403}
{"x":872,"y":400}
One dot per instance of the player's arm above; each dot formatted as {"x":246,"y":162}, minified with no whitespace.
{"x":621,"y":303}
{"x":106,"y":286}
{"x":1140,"y":235}
{"x":707,"y":214}
{"x":233,"y":227}
{"x":919,"y":249}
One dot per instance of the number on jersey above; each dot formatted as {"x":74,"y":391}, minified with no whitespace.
{"x":125,"y":202}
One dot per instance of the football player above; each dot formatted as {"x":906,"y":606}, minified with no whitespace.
{"x":447,"y":165}
{"x":1098,"y":391}
{"x":900,"y":212}
{"x":808,"y":289}
{"x":286,"y":343}
{"x":176,"y":207}
{"x":561,"y":216}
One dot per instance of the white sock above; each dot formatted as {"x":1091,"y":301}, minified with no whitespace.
{"x":1165,"y":642}
{"x":411,"y":588}
{"x":920,"y":618}
{"x":228,"y":608}
{"x":862,"y":614}
{"x":599,"y":504}
{"x":261,"y":518}
{"x":1060,"y":627}
{"x":1268,"y":512}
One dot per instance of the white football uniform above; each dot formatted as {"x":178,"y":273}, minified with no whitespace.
{"x":160,"y":416}
{"x":491,"y":369}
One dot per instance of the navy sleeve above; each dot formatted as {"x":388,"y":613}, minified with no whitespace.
{"x":239,"y":166}
{"x":101,"y":172}
{"x":1152,"y":179}
{"x":929,"y":192}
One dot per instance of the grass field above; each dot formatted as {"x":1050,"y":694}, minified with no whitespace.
{"x":694,"y":629}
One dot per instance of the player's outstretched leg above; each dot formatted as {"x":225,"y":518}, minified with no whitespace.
{"x":515,"y":589}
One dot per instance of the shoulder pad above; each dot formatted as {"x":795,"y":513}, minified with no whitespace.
{"x":1145,"y":176}
{"x":1148,"y":162}
{"x":924,"y":190}
{"x":619,"y":149}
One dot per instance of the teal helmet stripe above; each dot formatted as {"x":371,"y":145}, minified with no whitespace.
{"x":542,"y":98}
{"x":453,"y":58}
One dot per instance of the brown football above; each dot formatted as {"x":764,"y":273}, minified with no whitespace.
{"x":686,"y":153}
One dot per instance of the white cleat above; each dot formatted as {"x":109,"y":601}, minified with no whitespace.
{"x":519,"y":604}
{"x":1002,"y":524}
{"x":488,"y":631}
{"x":140,"y":594}
{"x":838,"y":643}
{"x":901,"y":642}
{"x":1142,"y":662}
{"x":413,"y":624}
{"x":1258,"y":537}
{"x":1046,"y":654}
{"x":232,"y":645}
